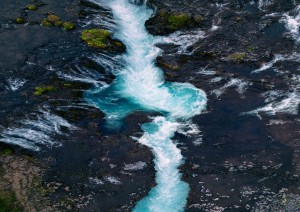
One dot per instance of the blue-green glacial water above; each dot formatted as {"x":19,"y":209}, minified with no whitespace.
{"x":140,"y":86}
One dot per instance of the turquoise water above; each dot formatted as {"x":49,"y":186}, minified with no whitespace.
{"x":140,"y":86}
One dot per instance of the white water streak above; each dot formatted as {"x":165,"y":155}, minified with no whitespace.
{"x":37,"y":131}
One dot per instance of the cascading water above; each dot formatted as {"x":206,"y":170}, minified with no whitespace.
{"x":140,"y":85}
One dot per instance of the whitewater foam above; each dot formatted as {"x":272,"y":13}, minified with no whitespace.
{"x":292,"y":23}
{"x":16,"y":83}
{"x":279,"y":101}
{"x":139,"y":85}
{"x":239,"y":84}
{"x":37,"y":131}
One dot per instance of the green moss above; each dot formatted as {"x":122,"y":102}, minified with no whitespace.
{"x":251,"y":48}
{"x":40,"y":90}
{"x":58,"y":23}
{"x":198,"y":18}
{"x":69,"y":26}
{"x":6,"y":152}
{"x":53,"y":18}
{"x":46,"y":23}
{"x":20,"y":20}
{"x":31,"y":7}
{"x":67,"y":84}
{"x":178,"y":20}
{"x":97,"y":38}
{"x":9,"y":203}
{"x":237,"y":57}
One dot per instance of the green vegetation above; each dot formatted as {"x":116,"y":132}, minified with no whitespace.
{"x":6,"y":152}
{"x":251,"y":48}
{"x":20,"y":20}
{"x":46,"y":23}
{"x":69,"y":26}
{"x":9,"y":203}
{"x":237,"y":57}
{"x":198,"y":18}
{"x":52,"y":20}
{"x":97,"y":38}
{"x":40,"y":90}
{"x":165,"y":22}
{"x":178,"y":20}
{"x":31,"y":7}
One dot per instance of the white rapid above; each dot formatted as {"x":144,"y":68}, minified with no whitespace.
{"x":140,"y":85}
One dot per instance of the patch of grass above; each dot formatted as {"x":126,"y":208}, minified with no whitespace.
{"x":9,"y":203}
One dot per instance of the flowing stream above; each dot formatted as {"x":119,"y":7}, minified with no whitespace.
{"x":140,"y":85}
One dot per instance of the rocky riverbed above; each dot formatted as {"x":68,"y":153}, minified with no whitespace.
{"x":241,"y":154}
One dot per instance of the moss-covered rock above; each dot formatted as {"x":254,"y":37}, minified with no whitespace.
{"x":101,"y":38}
{"x":20,"y":20}
{"x":177,"y":21}
{"x":237,"y":57}
{"x":97,"y":38}
{"x":46,"y":23}
{"x":31,"y":7}
{"x":165,"y":22}
{"x":69,"y":25}
{"x":58,"y":23}
{"x":167,"y":66}
{"x":40,"y":90}
{"x":52,"y":20}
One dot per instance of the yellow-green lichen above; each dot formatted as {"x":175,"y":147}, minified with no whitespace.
{"x":40,"y":90}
